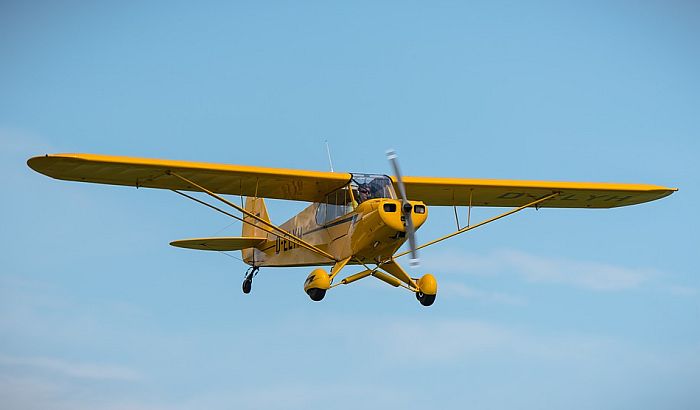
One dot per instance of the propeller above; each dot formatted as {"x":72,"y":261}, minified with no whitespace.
{"x":406,"y":207}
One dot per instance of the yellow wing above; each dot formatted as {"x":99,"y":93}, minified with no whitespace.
{"x":513,"y":193}
{"x":261,"y":182}
{"x":312,"y":186}
{"x":219,"y":244}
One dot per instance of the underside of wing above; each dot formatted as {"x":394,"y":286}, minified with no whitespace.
{"x":219,"y":244}
{"x":262,"y":182}
{"x":513,"y":193}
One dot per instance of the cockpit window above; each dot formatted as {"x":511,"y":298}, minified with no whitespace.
{"x":335,"y":205}
{"x":342,"y":201}
{"x":366,"y":186}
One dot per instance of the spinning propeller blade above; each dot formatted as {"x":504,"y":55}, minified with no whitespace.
{"x":406,"y":207}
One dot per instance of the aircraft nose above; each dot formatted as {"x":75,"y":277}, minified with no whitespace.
{"x":393,"y":214}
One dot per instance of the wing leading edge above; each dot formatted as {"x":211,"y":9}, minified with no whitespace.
{"x":263,"y":182}
{"x":514,"y":193}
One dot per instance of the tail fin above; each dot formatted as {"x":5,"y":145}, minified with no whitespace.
{"x":257,"y":207}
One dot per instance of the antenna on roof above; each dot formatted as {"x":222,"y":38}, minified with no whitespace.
{"x":328,"y":150}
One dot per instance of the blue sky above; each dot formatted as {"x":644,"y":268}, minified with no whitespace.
{"x":573,"y":309}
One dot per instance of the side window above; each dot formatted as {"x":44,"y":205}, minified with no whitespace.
{"x":321,"y":214}
{"x":337,"y":204}
{"x":330,"y":207}
{"x":343,"y":201}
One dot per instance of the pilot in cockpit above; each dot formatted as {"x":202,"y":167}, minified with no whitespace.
{"x":365,"y":193}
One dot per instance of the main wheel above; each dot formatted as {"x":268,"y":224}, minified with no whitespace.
{"x":316,"y":294}
{"x":425,"y":300}
{"x":427,"y":290}
{"x":316,"y":284}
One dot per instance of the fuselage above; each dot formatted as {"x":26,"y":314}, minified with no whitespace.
{"x":370,"y":231}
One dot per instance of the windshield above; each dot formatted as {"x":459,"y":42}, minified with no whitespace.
{"x":366,"y":186}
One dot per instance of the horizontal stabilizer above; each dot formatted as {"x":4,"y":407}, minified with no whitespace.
{"x":231,"y":243}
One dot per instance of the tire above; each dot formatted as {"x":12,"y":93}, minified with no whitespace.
{"x":425,"y":300}
{"x":247,"y":285}
{"x":316,"y":294}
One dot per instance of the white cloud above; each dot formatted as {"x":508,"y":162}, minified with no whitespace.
{"x":442,"y":340}
{"x":302,"y":394}
{"x":71,"y":369}
{"x":30,"y":393}
{"x":452,"y":341}
{"x":38,"y":393}
{"x":456,"y":289}
{"x":533,"y":268}
{"x":682,"y":290}
{"x":585,"y":274}
{"x":14,"y":140}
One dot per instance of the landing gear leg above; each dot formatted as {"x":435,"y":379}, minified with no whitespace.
{"x":248,"y":281}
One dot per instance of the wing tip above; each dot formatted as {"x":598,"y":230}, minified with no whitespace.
{"x":42,"y":163}
{"x":36,"y":162}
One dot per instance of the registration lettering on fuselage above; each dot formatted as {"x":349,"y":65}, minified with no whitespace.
{"x":284,"y":244}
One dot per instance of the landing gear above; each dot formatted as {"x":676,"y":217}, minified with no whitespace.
{"x":248,"y":281}
{"x":427,"y":290}
{"x":316,"y":284}
{"x":425,"y":300}
{"x":316,"y":294}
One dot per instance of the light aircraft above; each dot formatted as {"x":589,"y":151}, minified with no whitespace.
{"x":354,"y":218}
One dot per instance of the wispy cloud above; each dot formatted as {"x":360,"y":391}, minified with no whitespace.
{"x":459,"y":290}
{"x":30,"y":393}
{"x":533,"y":268}
{"x":15,"y":140}
{"x":33,"y":392}
{"x":447,"y":339}
{"x":80,"y":370}
{"x":302,"y":394}
{"x":451,"y":341}
{"x":679,"y":290}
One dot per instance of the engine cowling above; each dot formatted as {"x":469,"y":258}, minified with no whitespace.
{"x":391,"y":214}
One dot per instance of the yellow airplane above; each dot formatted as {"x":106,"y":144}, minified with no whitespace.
{"x":354,"y":219}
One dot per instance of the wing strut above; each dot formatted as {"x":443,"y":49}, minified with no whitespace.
{"x":470,"y":227}
{"x":277,"y":229}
